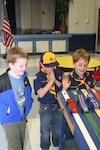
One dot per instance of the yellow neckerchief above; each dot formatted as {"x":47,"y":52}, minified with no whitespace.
{"x":82,"y":81}
{"x":52,"y":88}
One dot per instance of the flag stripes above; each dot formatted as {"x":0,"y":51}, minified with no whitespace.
{"x":6,"y":31}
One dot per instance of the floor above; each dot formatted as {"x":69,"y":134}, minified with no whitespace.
{"x":32,"y":140}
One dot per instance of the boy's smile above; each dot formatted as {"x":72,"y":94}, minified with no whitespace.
{"x":19,"y":67}
{"x":81,"y":67}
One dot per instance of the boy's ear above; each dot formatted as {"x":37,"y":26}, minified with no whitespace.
{"x":41,"y":64}
{"x":10,"y":65}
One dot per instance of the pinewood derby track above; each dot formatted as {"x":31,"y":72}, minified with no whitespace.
{"x":85,"y":126}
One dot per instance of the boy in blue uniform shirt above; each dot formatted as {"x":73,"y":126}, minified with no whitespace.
{"x":47,"y":83}
{"x":79,"y":78}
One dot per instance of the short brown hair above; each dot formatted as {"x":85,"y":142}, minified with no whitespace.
{"x":80,"y":53}
{"x":14,"y":53}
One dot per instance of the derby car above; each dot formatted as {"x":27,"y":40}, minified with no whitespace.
{"x":72,"y":105}
{"x":82,"y":103}
{"x":92,"y":101}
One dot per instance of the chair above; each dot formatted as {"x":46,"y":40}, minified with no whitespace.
{"x":97,"y":76}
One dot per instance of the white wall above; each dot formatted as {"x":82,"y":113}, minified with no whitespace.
{"x":40,"y":14}
{"x":48,"y":14}
{"x":37,"y":14}
{"x":82,"y":16}
{"x":25,"y":14}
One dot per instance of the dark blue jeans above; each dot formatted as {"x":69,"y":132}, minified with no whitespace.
{"x":50,"y":119}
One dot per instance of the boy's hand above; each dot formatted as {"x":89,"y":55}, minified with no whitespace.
{"x":52,"y":77}
{"x":66,"y":83}
{"x":97,"y":88}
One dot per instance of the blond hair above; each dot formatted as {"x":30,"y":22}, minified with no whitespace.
{"x":80,"y":54}
{"x":15,"y":53}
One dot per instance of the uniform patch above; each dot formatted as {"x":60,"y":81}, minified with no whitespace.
{"x":60,"y":77}
{"x":89,"y":83}
{"x":35,"y":77}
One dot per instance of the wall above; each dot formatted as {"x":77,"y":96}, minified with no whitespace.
{"x":82,"y":20}
{"x":25,"y":13}
{"x":37,"y":14}
{"x":48,"y":14}
{"x":83,"y":24}
{"x":82,"y":16}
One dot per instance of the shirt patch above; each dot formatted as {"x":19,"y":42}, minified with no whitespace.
{"x":89,"y":83}
{"x":59,"y":77}
{"x":35,"y":77}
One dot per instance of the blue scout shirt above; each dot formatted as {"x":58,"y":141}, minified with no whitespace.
{"x":40,"y":80}
{"x":77,"y":83}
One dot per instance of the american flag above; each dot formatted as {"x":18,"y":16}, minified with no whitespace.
{"x":6,"y":31}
